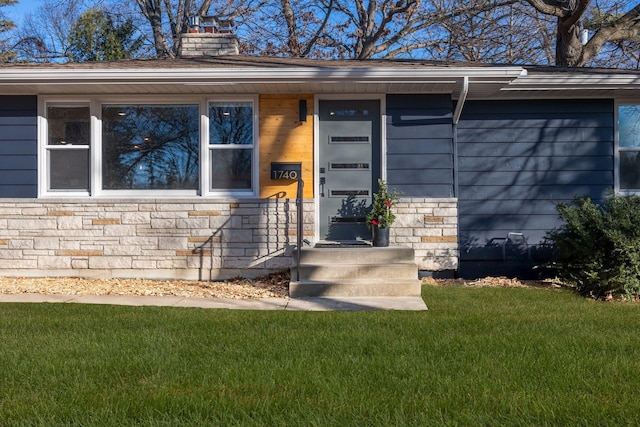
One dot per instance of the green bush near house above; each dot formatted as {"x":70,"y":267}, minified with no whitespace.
{"x":597,"y":250}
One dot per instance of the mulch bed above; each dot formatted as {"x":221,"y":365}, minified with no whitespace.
{"x":273,"y":285}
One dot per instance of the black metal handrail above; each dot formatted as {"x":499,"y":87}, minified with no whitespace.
{"x":299,"y":225}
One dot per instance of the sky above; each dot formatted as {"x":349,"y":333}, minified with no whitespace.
{"x":17,"y":11}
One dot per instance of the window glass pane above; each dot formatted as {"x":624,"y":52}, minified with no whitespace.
{"x":630,"y":170}
{"x":231,"y":123}
{"x":629,"y":125}
{"x":150,"y":147}
{"x":69,"y":170}
{"x":68,"y":125}
{"x":231,"y":169}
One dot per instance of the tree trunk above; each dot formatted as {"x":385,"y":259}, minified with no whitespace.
{"x":152,"y":10}
{"x":568,"y":45}
{"x":293,"y":40}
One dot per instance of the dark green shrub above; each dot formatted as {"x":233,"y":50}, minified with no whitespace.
{"x":597,"y":250}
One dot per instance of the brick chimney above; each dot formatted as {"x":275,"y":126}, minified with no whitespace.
{"x":209,"y":36}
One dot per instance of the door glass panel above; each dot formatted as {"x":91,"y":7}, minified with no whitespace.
{"x":342,"y":166}
{"x":349,"y":140}
{"x":340,"y":219}
{"x":349,"y":112}
{"x":341,"y":193}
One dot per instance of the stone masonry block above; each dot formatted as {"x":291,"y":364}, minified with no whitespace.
{"x":102,"y":262}
{"x":34,"y":211}
{"x":445,"y":212}
{"x":144,"y":264}
{"x":119,"y":250}
{"x":46,"y":243}
{"x":32,"y":224}
{"x":119,"y":230}
{"x":190,"y":223}
{"x":69,"y":223}
{"x":136,"y":218}
{"x":79,"y":264}
{"x":20,"y":244}
{"x":238,"y":236}
{"x":163,"y":223}
{"x":54,"y":262}
{"x":172,"y":243}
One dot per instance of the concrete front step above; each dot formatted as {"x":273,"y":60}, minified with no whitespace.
{"x":343,"y":271}
{"x":354,"y":288}
{"x":355,"y":271}
{"x":364,"y":255}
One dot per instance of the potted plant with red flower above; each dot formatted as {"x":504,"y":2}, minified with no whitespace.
{"x":381,"y":216}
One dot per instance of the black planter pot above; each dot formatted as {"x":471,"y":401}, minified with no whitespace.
{"x":380,"y":236}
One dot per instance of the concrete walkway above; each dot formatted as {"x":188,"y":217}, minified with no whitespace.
{"x":295,"y":304}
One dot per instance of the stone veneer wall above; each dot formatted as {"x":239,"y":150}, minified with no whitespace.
{"x":430,"y":227}
{"x":194,"y":239}
{"x":159,"y":239}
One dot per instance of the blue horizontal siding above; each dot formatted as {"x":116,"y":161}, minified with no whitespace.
{"x":518,"y":159}
{"x":533,"y":135}
{"x":538,"y":164}
{"x":525,"y":178}
{"x":517,"y":149}
{"x":18,"y":146}
{"x":419,"y":136}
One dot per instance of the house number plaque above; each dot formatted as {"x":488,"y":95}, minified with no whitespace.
{"x":281,"y":171}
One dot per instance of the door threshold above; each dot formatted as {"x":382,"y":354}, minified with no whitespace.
{"x":343,"y":244}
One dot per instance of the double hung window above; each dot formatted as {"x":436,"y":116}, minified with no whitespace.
{"x":68,"y":147}
{"x":629,"y":147}
{"x":231,"y":145}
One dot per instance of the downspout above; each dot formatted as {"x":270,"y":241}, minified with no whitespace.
{"x":464,"y":91}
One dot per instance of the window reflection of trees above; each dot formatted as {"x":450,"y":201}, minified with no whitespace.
{"x":629,"y":128}
{"x":231,"y":131}
{"x":629,"y":142}
{"x":150,"y":147}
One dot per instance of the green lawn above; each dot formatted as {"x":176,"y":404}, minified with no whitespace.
{"x":484,"y":356}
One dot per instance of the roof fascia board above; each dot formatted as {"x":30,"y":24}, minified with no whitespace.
{"x":424,"y":74}
{"x":574,"y":82}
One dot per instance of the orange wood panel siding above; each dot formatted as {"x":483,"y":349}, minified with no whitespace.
{"x":284,"y":138}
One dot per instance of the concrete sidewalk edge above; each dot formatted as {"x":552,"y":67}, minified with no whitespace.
{"x":292,"y":304}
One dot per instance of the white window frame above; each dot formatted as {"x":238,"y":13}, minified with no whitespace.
{"x":44,"y":148}
{"x":95,"y":148}
{"x":616,"y":153}
{"x":205,"y":174}
{"x":99,"y":191}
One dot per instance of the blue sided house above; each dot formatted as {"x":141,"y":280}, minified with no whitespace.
{"x":189,"y":168}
